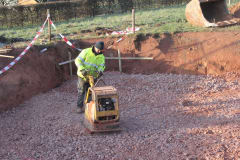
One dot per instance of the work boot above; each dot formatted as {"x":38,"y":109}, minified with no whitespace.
{"x":80,"y":110}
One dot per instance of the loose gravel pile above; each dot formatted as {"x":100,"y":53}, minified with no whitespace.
{"x":163,"y":116}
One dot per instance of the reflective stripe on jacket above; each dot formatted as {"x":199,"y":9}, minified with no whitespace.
{"x":87,"y":60}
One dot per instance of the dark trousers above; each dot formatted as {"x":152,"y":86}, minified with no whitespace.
{"x":82,"y":87}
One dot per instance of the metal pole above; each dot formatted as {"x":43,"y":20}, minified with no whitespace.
{"x":133,"y":20}
{"x":131,"y":58}
{"x":119,"y":61}
{"x":49,"y":26}
{"x":229,"y":2}
{"x":114,"y":58}
{"x":70,"y":64}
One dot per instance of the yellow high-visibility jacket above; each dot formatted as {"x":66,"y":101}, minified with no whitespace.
{"x":87,"y":60}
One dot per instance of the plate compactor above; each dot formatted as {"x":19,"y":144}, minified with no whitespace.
{"x":101,"y":108}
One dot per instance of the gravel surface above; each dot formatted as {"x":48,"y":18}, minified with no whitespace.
{"x":163,"y":116}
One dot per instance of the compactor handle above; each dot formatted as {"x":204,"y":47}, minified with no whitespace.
{"x":91,"y":80}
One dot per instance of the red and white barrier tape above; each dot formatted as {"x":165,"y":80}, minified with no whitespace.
{"x":128,"y":31}
{"x":64,"y":38}
{"x":25,"y":50}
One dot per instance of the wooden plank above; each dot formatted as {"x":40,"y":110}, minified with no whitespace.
{"x":6,"y":56}
{"x":4,"y":50}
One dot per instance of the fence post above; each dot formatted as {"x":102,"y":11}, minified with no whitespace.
{"x":49,"y":25}
{"x":133,"y":21}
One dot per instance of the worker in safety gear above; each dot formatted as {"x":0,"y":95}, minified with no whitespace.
{"x":90,"y":61}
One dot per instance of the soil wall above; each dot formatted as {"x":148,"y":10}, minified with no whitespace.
{"x":213,"y":53}
{"x":35,"y":73}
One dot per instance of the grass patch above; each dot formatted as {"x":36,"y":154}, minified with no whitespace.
{"x":155,"y":21}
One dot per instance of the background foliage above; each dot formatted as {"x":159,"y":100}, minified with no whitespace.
{"x":65,"y":10}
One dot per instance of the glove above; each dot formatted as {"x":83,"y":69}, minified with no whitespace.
{"x":84,"y":72}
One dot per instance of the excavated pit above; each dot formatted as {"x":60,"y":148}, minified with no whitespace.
{"x":185,"y":53}
{"x":185,"y":115}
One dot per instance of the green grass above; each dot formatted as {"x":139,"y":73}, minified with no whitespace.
{"x":163,"y":20}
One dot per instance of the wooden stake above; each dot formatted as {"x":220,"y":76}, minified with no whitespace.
{"x":133,"y":20}
{"x":49,"y":26}
{"x":70,"y":64}
{"x":119,"y":61}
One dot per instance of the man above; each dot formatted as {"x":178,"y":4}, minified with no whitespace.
{"x":90,"y":61}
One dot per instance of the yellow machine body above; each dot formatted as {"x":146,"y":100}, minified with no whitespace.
{"x":101,"y":109}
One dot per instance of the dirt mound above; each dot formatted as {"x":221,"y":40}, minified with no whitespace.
{"x":184,"y":53}
{"x":235,"y":10}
